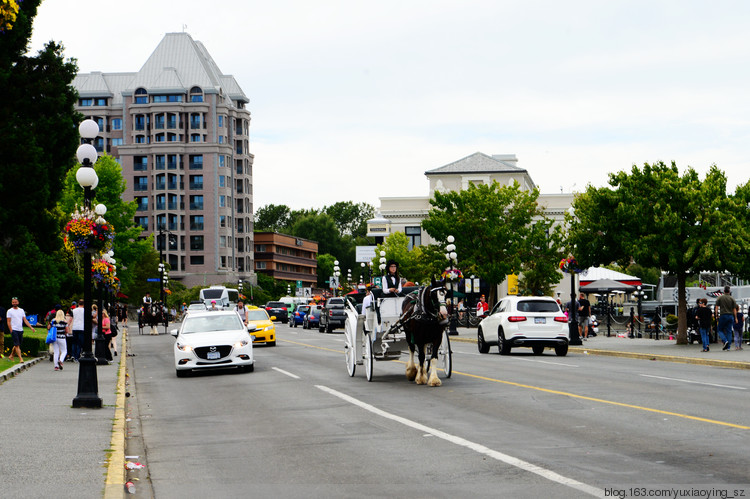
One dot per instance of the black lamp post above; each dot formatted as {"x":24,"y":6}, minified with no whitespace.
{"x":573,"y":321}
{"x":451,"y":256}
{"x":88,"y":384}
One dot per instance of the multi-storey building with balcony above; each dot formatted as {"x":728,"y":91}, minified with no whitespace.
{"x":180,"y":129}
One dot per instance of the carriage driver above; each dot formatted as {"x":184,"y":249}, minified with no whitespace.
{"x":147,"y":298}
{"x":392,"y":279}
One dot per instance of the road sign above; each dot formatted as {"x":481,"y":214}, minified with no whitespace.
{"x":153,"y":279}
{"x":299,"y":284}
{"x":333,"y":282}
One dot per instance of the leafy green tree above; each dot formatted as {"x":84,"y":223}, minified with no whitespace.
{"x":540,"y":265}
{"x":272,"y":218}
{"x":657,"y":217}
{"x":493,"y":226}
{"x":351,"y":218}
{"x":38,"y":126}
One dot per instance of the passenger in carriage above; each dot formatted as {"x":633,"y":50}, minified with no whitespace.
{"x":392,"y":280}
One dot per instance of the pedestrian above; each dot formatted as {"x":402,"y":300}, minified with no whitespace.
{"x":60,"y":345}
{"x":461,"y":309}
{"x":114,"y":331}
{"x":77,"y":327}
{"x":242,"y":311}
{"x":703,"y":317}
{"x":482,"y":307}
{"x":725,"y":305}
{"x":107,"y":331}
{"x":738,"y":328}
{"x":631,"y":334}
{"x":69,"y":335}
{"x":16,"y":318}
{"x":392,"y":279}
{"x":213,"y":308}
{"x":584,"y":316}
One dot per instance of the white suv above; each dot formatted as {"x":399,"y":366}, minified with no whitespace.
{"x":524,"y":321}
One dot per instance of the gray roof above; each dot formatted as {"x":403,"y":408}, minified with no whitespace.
{"x":178,"y":64}
{"x":480,"y":163}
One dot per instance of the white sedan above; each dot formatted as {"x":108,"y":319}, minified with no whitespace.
{"x":212,"y":340}
{"x":524,"y":321}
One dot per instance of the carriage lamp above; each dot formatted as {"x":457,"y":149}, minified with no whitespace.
{"x":88,"y":385}
{"x":451,"y":256}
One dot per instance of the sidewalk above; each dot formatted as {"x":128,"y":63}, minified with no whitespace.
{"x":646,"y":348}
{"x":48,"y":448}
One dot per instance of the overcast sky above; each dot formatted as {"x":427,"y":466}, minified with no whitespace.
{"x":355,"y":100}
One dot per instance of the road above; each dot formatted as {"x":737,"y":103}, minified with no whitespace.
{"x":516,"y":426}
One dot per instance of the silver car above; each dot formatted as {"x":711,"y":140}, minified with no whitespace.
{"x":212,"y":340}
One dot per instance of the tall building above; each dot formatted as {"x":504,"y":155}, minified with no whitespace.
{"x":180,"y":129}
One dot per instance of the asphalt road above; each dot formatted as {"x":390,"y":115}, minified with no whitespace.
{"x":516,"y":426}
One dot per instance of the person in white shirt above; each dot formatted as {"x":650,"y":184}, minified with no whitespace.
{"x":242,"y":311}
{"x":77,"y":327}
{"x":16,"y":318}
{"x":392,"y":279}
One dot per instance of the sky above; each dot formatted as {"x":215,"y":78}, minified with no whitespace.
{"x":354,"y":100}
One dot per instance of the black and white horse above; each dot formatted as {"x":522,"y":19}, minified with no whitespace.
{"x":424,"y":316}
{"x":152,"y":314}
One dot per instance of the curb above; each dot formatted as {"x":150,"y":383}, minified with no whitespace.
{"x":115,"y":481}
{"x":18,"y":368}
{"x":729,"y":364}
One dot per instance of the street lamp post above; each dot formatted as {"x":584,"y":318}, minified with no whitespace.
{"x":382,"y":266}
{"x":88,"y":384}
{"x":336,"y":274}
{"x":639,"y":294}
{"x":451,"y":256}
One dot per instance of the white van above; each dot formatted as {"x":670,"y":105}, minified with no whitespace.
{"x":226,"y":298}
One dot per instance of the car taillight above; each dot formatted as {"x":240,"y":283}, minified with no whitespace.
{"x":283,"y":308}
{"x":561,"y":319}
{"x":268,"y":308}
{"x":516,"y":318}
{"x":330,"y":313}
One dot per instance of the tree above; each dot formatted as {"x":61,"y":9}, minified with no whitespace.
{"x":272,"y":218}
{"x":656,"y":217}
{"x":540,"y":265}
{"x":351,"y":218}
{"x":38,"y":126}
{"x":493,"y":227}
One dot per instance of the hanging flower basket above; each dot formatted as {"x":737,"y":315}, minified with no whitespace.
{"x":452,"y":274}
{"x":103,"y":275}
{"x":570,"y":265}
{"x":87,"y":232}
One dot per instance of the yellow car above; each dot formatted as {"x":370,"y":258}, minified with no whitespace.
{"x":259,"y":325}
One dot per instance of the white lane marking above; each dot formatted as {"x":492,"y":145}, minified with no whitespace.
{"x":694,"y":382}
{"x":545,"y":362}
{"x":285,"y":372}
{"x":481,"y":449}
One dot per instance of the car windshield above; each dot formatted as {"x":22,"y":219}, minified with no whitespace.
{"x":303,"y":308}
{"x":257,"y":315}
{"x":197,"y":307}
{"x":537,"y":306}
{"x":211,"y":323}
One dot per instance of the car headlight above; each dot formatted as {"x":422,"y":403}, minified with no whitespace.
{"x":240,"y":344}
{"x":268,"y":328}
{"x":184,"y":348}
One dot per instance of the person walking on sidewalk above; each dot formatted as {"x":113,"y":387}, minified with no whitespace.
{"x":60,"y":346}
{"x":725,"y":305}
{"x":738,"y":328}
{"x":584,"y":316}
{"x":77,"y":326}
{"x":703,"y":316}
{"x":16,"y":320}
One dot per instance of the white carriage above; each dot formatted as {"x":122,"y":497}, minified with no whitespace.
{"x":368,"y":339}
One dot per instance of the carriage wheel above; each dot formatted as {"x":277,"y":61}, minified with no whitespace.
{"x":368,"y":356}
{"x":446,"y":355}
{"x":351,"y":362}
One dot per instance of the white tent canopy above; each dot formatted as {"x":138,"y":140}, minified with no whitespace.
{"x":598,"y":273}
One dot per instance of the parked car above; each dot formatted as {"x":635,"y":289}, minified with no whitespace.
{"x":312,"y":318}
{"x":298,"y":316}
{"x":279,"y":309}
{"x":524,"y":321}
{"x":333,"y":315}
{"x":260,"y":325}
{"x":212,"y":340}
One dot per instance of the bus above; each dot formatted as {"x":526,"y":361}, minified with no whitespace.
{"x":226,"y":298}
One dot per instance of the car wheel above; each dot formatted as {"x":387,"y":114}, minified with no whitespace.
{"x":538,"y":349}
{"x":481,"y":344}
{"x":503,"y":345}
{"x":249,"y":369}
{"x":561,"y":350}
{"x":181,"y":374}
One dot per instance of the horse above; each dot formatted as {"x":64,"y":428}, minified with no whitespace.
{"x":152,"y":314}
{"x":424,"y":316}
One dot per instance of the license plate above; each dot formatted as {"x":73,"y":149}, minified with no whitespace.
{"x":540,"y":320}
{"x":213,"y":355}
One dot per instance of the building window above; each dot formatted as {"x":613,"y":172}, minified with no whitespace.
{"x":159,"y":121}
{"x":196,"y":243}
{"x":195,"y":137}
{"x":100,"y":101}
{"x":223,"y":261}
{"x":196,"y":202}
{"x":141,"y":203}
{"x":160,"y":162}
{"x":140,"y":139}
{"x":85,"y":102}
{"x":140,"y":122}
{"x":196,"y":162}
{"x":222,"y":183}
{"x":196,"y":259}
{"x":415,"y":236}
{"x":160,"y":183}
{"x":142,"y":222}
{"x":167,"y":98}
{"x":221,"y":121}
{"x":196,"y":222}
{"x":172,"y":202}
{"x":222,"y":241}
{"x":140,"y":183}
{"x":117,"y":141}
{"x":196,"y":182}
{"x":221,"y":160}
{"x":196,"y":94}
{"x":116,"y":123}
{"x":221,"y":139}
{"x":140,"y":163}
{"x":195,"y":121}
{"x":260,"y":248}
{"x":222,"y":201}
{"x":222,"y":221}
{"x":172,"y":137}
{"x":141,"y":96}
{"x":260,"y":265}
{"x":161,"y":204}
{"x":160,"y":137}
